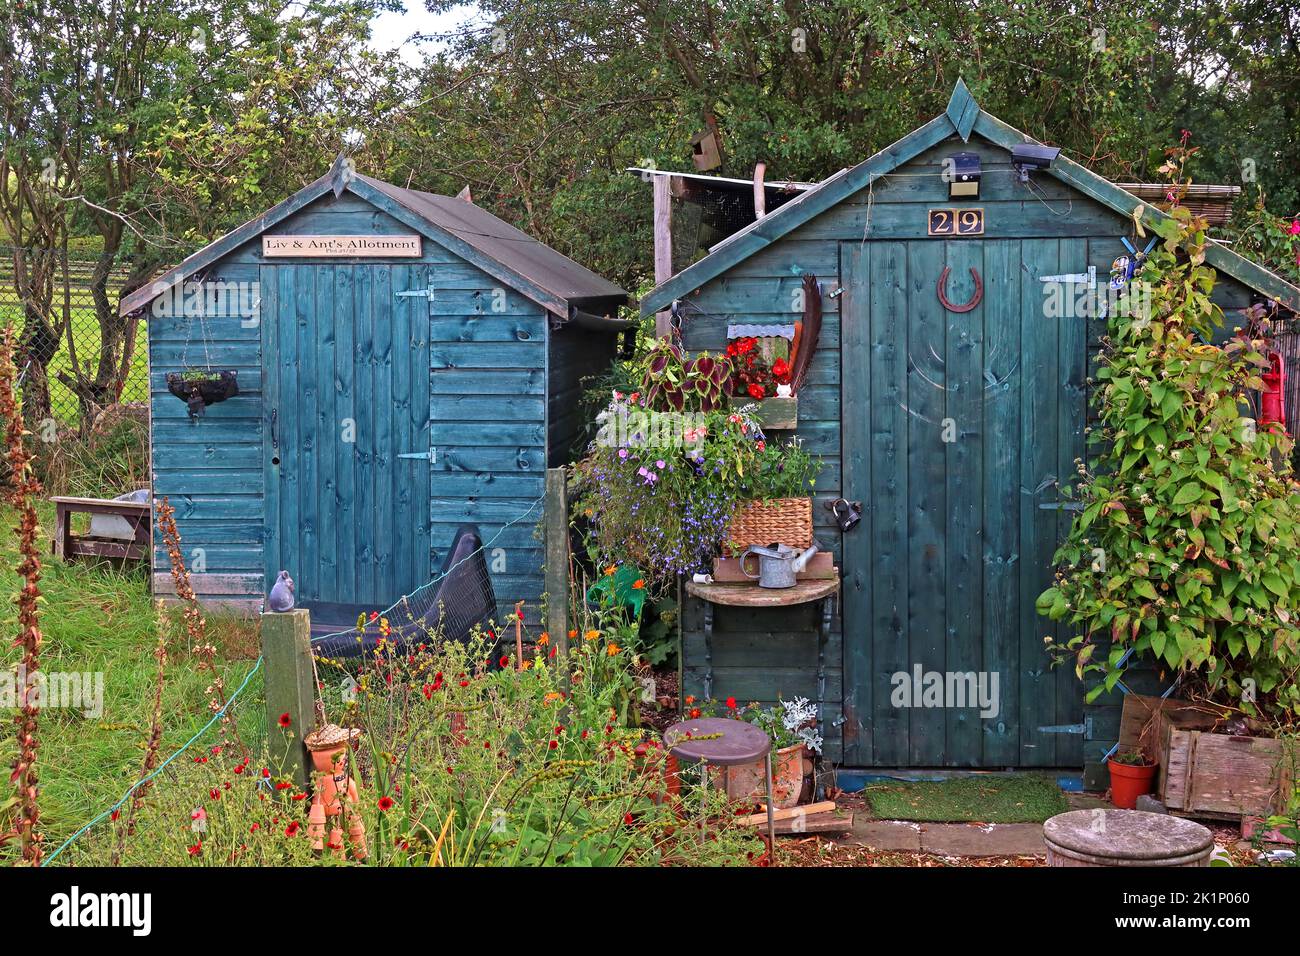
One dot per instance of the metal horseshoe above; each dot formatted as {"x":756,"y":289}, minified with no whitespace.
{"x":974,"y":300}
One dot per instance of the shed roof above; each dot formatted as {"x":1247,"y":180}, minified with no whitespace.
{"x":546,"y":276}
{"x":963,"y":116}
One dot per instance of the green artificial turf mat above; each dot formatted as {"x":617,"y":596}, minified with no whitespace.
{"x":1009,"y":798}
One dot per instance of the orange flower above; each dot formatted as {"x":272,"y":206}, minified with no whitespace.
{"x":638,"y":584}
{"x":543,"y":639}
{"x":611,"y":569}
{"x":591,"y":635}
{"x":573,"y":634}
{"x":613,"y":650}
{"x":690,"y":698}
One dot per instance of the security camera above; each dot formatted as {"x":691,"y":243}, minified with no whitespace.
{"x":1029,"y":156}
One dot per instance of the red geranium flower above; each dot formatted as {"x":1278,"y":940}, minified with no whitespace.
{"x":385,"y":803}
{"x":756,"y":390}
{"x":731,"y":703}
{"x":695,"y":712}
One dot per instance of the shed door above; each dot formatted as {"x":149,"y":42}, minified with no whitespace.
{"x":957,"y":427}
{"x":347,"y":407}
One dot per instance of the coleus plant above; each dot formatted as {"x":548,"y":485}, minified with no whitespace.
{"x":674,"y":383}
{"x":1186,"y":549}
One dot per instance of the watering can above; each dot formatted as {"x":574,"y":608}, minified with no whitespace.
{"x":777,"y":566}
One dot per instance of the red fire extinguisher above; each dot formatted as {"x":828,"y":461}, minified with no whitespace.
{"x":1272,"y":408}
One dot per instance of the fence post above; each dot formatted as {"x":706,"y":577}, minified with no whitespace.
{"x":557,"y":559}
{"x":290,"y":689}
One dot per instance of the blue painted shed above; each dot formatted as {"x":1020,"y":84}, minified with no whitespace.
{"x":934,"y":323}
{"x":406,"y":363}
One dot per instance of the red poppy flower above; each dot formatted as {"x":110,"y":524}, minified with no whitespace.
{"x":266,"y":772}
{"x":292,"y":829}
{"x":505,"y":660}
{"x":695,"y":713}
{"x":254,"y":828}
{"x":115,"y":814}
{"x":385,"y":803}
{"x":553,"y":744}
{"x":215,"y":794}
{"x":285,"y":719}
{"x":628,"y":818}
{"x":282,"y":785}
{"x":464,"y":683}
{"x":300,"y":796}
{"x":731,"y":703}
{"x":195,"y":850}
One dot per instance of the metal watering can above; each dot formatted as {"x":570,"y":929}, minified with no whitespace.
{"x":777,"y":566}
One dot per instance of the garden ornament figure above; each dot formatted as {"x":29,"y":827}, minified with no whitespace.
{"x":335,"y":793}
{"x":281,"y":598}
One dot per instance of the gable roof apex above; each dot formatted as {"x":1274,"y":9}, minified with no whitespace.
{"x":962,"y":117}
{"x":535,"y":270}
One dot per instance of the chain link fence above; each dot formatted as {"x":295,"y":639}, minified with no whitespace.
{"x":71,"y":337}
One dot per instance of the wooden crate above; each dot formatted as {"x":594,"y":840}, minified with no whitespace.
{"x":1219,"y":775}
{"x":1203,"y":773}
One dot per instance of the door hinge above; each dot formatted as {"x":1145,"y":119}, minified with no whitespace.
{"x":1084,"y":728}
{"x":427,"y":293}
{"x":431,"y":455}
{"x":1088,"y":278}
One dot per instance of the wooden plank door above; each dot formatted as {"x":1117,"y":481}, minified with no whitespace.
{"x":347,"y":396}
{"x":958,"y":428}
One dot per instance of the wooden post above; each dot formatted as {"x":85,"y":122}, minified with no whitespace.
{"x":519,"y":636}
{"x":290,"y":689}
{"x":760,"y":193}
{"x":557,"y":559}
{"x":663,"y":224}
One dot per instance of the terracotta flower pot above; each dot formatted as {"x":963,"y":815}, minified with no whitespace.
{"x":1128,"y":782}
{"x":746,"y":782}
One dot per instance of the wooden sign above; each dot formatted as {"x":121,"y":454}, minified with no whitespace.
{"x":341,"y":247}
{"x":956,"y":222}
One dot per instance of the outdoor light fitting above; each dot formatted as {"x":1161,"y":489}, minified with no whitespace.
{"x":963,"y":176}
{"x":1029,"y":156}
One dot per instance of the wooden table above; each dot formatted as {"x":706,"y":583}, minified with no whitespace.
{"x":751,"y":595}
{"x":137,"y":514}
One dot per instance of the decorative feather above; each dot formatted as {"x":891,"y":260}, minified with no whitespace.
{"x":808,"y":335}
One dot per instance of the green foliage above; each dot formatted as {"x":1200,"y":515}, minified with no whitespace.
{"x":1271,"y":240}
{"x":659,"y":489}
{"x":1186,"y":549}
{"x":456,"y":766}
{"x":782,"y":470}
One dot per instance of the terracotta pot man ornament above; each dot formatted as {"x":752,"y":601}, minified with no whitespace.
{"x":335,"y":792}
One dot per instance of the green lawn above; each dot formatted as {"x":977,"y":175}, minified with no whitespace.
{"x":85,"y":331}
{"x":101,"y":619}
{"x":981,"y":798}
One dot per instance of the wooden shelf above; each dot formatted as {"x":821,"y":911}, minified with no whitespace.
{"x":773,"y":413}
{"x":751,"y":595}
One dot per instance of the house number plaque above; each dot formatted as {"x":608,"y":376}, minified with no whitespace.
{"x":956,"y":222}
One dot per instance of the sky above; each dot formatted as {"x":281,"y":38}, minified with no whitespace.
{"x":394,"y":30}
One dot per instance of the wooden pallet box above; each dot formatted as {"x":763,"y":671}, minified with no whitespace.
{"x":1219,"y":775}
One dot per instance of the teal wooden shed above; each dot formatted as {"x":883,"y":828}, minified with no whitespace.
{"x":406,"y":363}
{"x":951,"y":403}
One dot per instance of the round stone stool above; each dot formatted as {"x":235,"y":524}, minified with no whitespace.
{"x":1103,"y":837}
{"x":722,"y":742}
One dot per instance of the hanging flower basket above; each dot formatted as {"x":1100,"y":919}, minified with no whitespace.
{"x":199,"y":388}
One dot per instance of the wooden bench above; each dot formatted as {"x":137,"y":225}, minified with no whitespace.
{"x":132,"y":541}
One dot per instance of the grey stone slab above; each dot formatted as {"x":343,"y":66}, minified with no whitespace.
{"x":983,"y":839}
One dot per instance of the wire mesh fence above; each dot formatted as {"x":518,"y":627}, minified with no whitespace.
{"x":68,"y":344}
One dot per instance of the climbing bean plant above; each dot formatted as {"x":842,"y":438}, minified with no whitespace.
{"x":1185,"y":551}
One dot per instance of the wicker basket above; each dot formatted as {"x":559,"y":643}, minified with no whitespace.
{"x":778,"y":521}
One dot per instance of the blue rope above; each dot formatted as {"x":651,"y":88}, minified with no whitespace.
{"x":161,"y":767}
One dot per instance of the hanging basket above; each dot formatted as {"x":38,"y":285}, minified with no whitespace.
{"x":199,"y":388}
{"x":777,"y":521}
